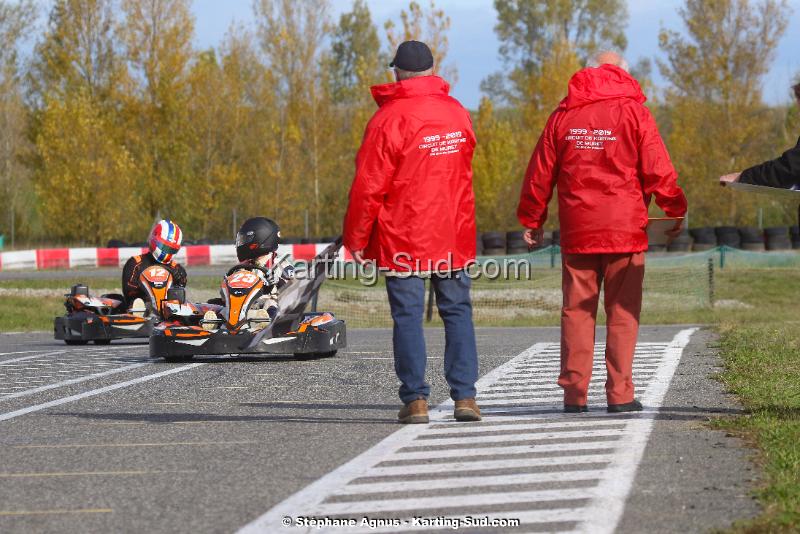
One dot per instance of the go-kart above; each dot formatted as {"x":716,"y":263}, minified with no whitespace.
{"x":238,"y":330}
{"x":102,"y":319}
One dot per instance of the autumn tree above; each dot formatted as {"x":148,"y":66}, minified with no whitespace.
{"x":495,"y":177}
{"x":431,"y":27}
{"x":292,"y":35}
{"x":355,"y":63}
{"x":81,"y":165}
{"x":15,"y":20}
{"x":719,"y":121}
{"x":157,"y":35}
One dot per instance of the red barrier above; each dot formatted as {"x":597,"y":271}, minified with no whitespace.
{"x":52,"y":258}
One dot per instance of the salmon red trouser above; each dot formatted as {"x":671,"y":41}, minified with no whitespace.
{"x":621,"y":276}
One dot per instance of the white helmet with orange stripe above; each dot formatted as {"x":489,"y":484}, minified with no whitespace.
{"x":165,"y":240}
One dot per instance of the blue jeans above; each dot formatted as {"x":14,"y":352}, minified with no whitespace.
{"x":407,"y":301}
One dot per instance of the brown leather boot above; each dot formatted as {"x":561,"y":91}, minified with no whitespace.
{"x":414,"y":412}
{"x":467,"y":410}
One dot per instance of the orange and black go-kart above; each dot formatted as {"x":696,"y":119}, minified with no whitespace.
{"x":237,"y":330}
{"x":101,"y":319}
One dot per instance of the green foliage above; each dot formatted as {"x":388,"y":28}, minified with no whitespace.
{"x":719,"y":123}
{"x":268,"y":122}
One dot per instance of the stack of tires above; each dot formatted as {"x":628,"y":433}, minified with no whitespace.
{"x":728,"y":236}
{"x":515,"y":243}
{"x":704,"y":238}
{"x":777,"y":238}
{"x":494,"y":243}
{"x":794,"y":233}
{"x":751,"y":238}
{"x":682,"y":243}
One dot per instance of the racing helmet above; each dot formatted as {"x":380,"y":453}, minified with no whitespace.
{"x":165,"y":240}
{"x":257,"y":237}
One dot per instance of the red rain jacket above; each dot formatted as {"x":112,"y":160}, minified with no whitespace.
{"x":412,"y":207}
{"x":601,"y":147}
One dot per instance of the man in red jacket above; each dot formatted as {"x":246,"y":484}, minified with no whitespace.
{"x":601,"y":147}
{"x":412,"y":210}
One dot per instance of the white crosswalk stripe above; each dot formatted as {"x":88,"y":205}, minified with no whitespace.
{"x":525,"y":461}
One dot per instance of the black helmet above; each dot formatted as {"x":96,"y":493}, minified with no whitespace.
{"x":257,"y":236}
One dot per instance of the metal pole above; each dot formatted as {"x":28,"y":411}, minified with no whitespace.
{"x":306,"y":224}
{"x":711,"y":281}
{"x":552,"y":256}
{"x":760,"y":218}
{"x":722,"y":256}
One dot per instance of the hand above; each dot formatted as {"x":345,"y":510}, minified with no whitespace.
{"x":533,"y":237}
{"x":729,"y":178}
{"x":675,"y":232}
{"x":358,"y":256}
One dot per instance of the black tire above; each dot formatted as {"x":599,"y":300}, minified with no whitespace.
{"x":178,"y":359}
{"x":750,"y":234}
{"x":704,"y":235}
{"x":728,"y":236}
{"x":493,"y":240}
{"x":305,"y":356}
{"x":76,"y":342}
{"x":776,"y":230}
{"x":102,"y":342}
{"x":678,"y":247}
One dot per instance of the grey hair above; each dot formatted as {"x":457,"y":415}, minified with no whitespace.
{"x":601,"y":57}
{"x":407,"y":74}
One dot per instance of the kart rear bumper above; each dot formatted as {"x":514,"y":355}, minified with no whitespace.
{"x":185,"y":342}
{"x":88,"y":327}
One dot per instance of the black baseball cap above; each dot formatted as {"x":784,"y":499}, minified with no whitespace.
{"x":413,"y":56}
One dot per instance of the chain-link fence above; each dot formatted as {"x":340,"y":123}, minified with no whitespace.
{"x":530,"y":292}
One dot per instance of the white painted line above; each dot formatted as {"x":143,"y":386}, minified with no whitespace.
{"x":533,"y":518}
{"x":577,"y":434}
{"x":457,"y":501}
{"x":578,"y":448}
{"x":469,"y":429}
{"x":30,"y":409}
{"x":606,"y":509}
{"x":488,"y":455}
{"x":39,"y":355}
{"x":458,"y":466}
{"x":405,"y":486}
{"x":75,"y":380}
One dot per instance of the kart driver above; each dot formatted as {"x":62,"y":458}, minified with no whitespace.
{"x":164,"y":242}
{"x":256,"y":246}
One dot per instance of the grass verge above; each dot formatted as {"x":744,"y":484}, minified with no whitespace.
{"x":762,"y":366}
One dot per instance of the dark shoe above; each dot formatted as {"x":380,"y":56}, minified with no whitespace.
{"x":467,"y":410}
{"x":414,"y":412}
{"x":575,"y":408}
{"x":634,"y":406}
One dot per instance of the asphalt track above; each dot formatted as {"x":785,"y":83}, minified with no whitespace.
{"x":101,"y":439}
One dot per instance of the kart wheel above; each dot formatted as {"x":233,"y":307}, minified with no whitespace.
{"x":177,"y":359}
{"x":76,"y":341}
{"x":102,"y":342}
{"x":314,"y":355}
